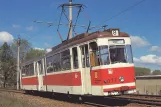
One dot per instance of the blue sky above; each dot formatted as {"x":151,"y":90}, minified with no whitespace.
{"x":143,"y":23}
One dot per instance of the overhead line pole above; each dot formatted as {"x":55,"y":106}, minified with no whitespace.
{"x":70,"y":19}
{"x":18,"y":64}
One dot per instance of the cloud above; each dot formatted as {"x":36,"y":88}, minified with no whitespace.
{"x":30,"y":28}
{"x":155,"y":49}
{"x":48,"y":50}
{"x":47,"y":45}
{"x":136,"y":59}
{"x":15,"y":26}
{"x":39,"y":48}
{"x":5,"y":37}
{"x":139,"y":42}
{"x":148,"y":59}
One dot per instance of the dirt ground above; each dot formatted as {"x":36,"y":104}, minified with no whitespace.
{"x":9,"y":99}
{"x":12,"y":102}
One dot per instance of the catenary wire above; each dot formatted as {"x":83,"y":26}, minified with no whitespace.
{"x":123,"y":11}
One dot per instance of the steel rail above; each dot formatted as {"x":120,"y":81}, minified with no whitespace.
{"x":140,"y":99}
{"x":143,"y":95}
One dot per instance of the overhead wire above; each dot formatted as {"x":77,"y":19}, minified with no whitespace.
{"x":38,"y":33}
{"x":25,"y":43}
{"x":123,"y":11}
{"x":41,"y":31}
{"x":34,"y":36}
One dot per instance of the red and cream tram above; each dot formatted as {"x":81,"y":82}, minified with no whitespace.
{"x":98,"y":64}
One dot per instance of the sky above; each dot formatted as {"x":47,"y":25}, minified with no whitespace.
{"x":142,"y":23}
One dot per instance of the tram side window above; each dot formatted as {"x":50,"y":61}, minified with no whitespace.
{"x":40,"y":67}
{"x":27,"y":70}
{"x":104,"y":55}
{"x":36,"y":72}
{"x":31,"y":69}
{"x":49,"y":64}
{"x":85,"y":56}
{"x":23,"y":72}
{"x":75,"y":57}
{"x":65,"y":60}
{"x":94,"y":54}
{"x":56,"y":62}
{"x":129,"y":54}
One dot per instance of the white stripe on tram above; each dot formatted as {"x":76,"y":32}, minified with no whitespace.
{"x":118,"y":85}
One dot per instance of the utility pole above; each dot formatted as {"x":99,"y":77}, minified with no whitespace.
{"x":18,"y":63}
{"x":70,"y":19}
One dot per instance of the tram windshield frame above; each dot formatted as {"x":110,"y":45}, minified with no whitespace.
{"x":115,"y":54}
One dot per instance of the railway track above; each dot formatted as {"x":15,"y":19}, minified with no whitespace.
{"x":141,"y":99}
{"x":106,"y":101}
{"x":146,"y":96}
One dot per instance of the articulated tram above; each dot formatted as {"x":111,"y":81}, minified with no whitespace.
{"x":96,"y":64}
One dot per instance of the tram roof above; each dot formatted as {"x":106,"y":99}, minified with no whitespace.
{"x":79,"y":39}
{"x":85,"y":37}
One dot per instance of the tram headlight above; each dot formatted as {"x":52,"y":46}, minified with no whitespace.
{"x":121,"y":79}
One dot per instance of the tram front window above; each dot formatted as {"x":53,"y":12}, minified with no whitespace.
{"x":117,"y":54}
{"x":120,"y":54}
{"x":104,"y":55}
{"x":129,"y":54}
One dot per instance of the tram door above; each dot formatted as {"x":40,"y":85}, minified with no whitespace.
{"x":39,"y":68}
{"x":85,"y":69}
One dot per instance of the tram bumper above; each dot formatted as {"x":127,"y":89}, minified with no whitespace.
{"x":132,"y":91}
{"x":119,"y":90}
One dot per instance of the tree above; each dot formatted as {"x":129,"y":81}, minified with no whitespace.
{"x":139,"y":71}
{"x":33,"y":53}
{"x":25,"y":47}
{"x":26,"y":50}
{"x":7,"y":65}
{"x":156,"y":72}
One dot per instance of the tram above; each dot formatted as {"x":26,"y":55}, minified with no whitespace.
{"x":96,"y":64}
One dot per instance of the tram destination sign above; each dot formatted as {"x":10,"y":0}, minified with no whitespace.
{"x":115,"y":32}
{"x":116,"y":41}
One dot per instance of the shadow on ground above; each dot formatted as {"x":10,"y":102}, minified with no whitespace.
{"x":88,"y":100}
